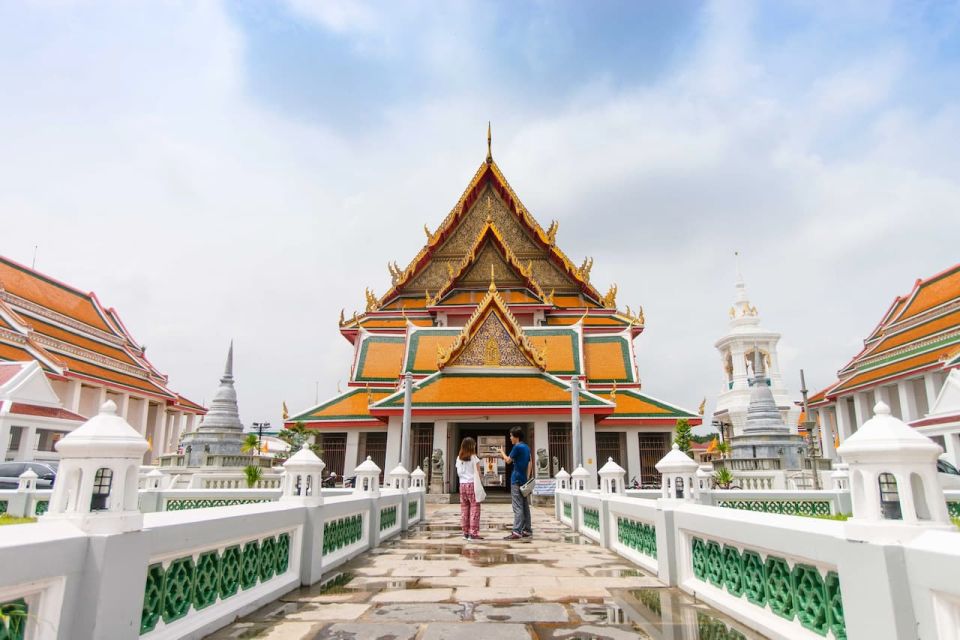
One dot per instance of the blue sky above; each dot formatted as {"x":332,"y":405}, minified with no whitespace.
{"x":245,"y":169}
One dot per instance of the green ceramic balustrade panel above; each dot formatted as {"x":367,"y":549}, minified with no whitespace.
{"x":186,"y":585}
{"x":568,"y":511}
{"x":13,"y":619}
{"x":637,"y":536}
{"x":3,"y":506}
{"x":591,"y":519}
{"x":710,"y":628}
{"x":800,"y":593}
{"x":388,"y":518}
{"x":786,"y":507}
{"x":177,"y":504}
{"x":953,"y":508}
{"x":41,"y":507}
{"x":342,"y":532}
{"x":412,"y":509}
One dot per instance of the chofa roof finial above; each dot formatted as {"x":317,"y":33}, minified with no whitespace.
{"x":489,"y":144}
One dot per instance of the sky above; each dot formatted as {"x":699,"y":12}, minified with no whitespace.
{"x":243,"y":170}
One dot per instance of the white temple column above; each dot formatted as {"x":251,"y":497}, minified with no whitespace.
{"x":123,"y":406}
{"x":143,"y":418}
{"x":28,"y":443}
{"x":883,"y":395}
{"x":739,"y":367}
{"x":908,"y":400}
{"x":351,"y":453}
{"x":932,"y":387}
{"x":159,"y":432}
{"x":392,"y":456}
{"x":861,"y":409}
{"x":843,"y":419}
{"x":71,"y":399}
{"x":633,"y":454}
{"x":590,"y":447}
{"x":828,"y":426}
{"x":4,"y":439}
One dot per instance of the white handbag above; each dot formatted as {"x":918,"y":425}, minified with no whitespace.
{"x":478,"y":491}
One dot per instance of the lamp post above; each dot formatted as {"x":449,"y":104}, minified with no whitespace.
{"x":812,"y":434}
{"x":575,"y":421}
{"x":260,"y":427}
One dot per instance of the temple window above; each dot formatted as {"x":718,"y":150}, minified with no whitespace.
{"x":101,"y":489}
{"x":889,"y":497}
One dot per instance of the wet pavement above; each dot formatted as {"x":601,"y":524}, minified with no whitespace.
{"x":433,"y":584}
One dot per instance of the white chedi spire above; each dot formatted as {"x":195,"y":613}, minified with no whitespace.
{"x":224,"y":413}
{"x":742,"y":312}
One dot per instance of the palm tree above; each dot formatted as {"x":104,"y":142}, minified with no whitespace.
{"x":253,"y":474}
{"x":723,"y":478}
{"x":251,"y":444}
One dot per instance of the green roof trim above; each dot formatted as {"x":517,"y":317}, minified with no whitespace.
{"x":675,"y":412}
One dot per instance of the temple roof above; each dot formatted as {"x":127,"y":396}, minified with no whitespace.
{"x":919,"y":331}
{"x":609,"y":359}
{"x":635,"y":408}
{"x":491,"y":391}
{"x":73,"y":336}
{"x":348,"y":409}
{"x":379,"y":358}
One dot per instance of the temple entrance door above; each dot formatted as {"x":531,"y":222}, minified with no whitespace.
{"x":496,"y":477}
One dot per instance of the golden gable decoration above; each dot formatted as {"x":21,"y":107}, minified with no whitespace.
{"x":493,"y":323}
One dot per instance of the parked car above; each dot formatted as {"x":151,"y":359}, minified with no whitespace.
{"x":948,"y":474}
{"x":10,"y":473}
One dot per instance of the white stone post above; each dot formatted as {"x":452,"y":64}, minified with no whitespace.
{"x":678,"y":474}
{"x":828,"y":427}
{"x":351,"y":454}
{"x":28,"y":443}
{"x":580,"y":479}
{"x":577,"y":434}
{"x":97,"y":480}
{"x":883,"y":447}
{"x":303,"y":478}
{"x":612,"y":478}
{"x":563,"y":480}
{"x":368,"y":479}
{"x":418,"y":480}
{"x":27,"y":481}
{"x":399,"y":478}
{"x":406,"y":446}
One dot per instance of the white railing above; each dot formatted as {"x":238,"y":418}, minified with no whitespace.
{"x":187,"y":572}
{"x":782,"y":575}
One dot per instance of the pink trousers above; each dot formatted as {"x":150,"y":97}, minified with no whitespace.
{"x":469,"y":510}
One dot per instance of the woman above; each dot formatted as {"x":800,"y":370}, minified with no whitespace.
{"x":468,"y":468}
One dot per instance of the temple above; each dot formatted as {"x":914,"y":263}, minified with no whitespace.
{"x":906,"y":363}
{"x":493,"y":321}
{"x":88,"y":356}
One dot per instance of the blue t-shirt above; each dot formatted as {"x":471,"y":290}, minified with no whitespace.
{"x":520,"y":454}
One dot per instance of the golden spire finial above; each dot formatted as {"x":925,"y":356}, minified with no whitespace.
{"x":489,"y":144}
{"x":613,"y":391}
{"x":493,"y":285}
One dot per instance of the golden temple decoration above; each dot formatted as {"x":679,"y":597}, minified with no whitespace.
{"x":733,"y":313}
{"x":585,"y":268}
{"x":640,"y":317}
{"x":613,"y":392}
{"x":427,"y":300}
{"x":395,"y":273}
{"x":342,"y":319}
{"x":491,"y":353}
{"x":369,"y":395}
{"x":285,"y":414}
{"x":492,"y":303}
{"x":549,"y":298}
{"x":489,"y":143}
{"x":426,"y":231}
{"x":703,"y":407}
{"x":450,"y":269}
{"x":610,"y":300}
{"x":552,"y":232}
{"x":371,"y":300}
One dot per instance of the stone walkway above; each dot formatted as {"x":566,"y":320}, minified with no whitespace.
{"x":432,"y":584}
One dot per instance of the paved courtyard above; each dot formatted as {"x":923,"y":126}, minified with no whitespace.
{"x":432,"y":584}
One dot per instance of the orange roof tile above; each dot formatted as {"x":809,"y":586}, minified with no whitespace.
{"x":379,"y":359}
{"x":949,"y":321}
{"x":933,"y":292}
{"x":111,"y":377}
{"x":506,"y":390}
{"x":632,"y":404}
{"x":47,"y":292}
{"x":423,"y":347}
{"x":475,"y":297}
{"x":70,"y":337}
{"x":561,"y":348}
{"x":24,"y":409}
{"x":349,"y":406}
{"x":608,"y":359}
{"x":896,"y":368}
{"x":18,"y":353}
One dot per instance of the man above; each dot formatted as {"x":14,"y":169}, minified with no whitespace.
{"x":522,"y":469}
